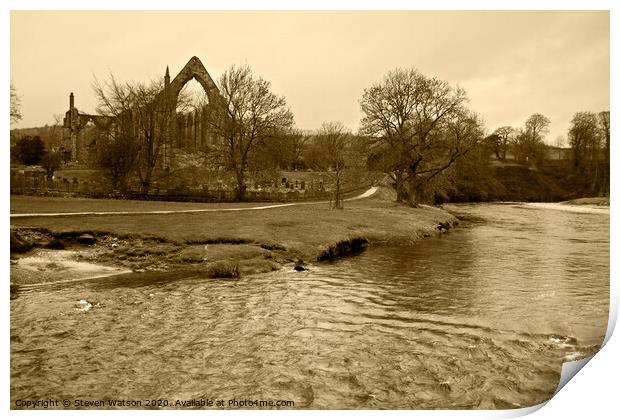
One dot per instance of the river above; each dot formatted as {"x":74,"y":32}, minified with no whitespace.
{"x":481,"y":317}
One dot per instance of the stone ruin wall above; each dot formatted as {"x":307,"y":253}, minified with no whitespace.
{"x":188,"y":131}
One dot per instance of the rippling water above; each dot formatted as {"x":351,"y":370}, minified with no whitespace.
{"x":481,"y":317}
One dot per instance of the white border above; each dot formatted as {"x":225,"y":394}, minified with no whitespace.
{"x":592,"y":394}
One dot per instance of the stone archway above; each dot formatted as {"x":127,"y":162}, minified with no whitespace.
{"x":190,"y":130}
{"x":194,"y":69}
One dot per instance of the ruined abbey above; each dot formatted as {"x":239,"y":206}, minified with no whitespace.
{"x":187,"y":131}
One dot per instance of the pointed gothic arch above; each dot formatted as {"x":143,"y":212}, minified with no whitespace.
{"x":194,"y":69}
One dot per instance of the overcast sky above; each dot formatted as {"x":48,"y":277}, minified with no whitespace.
{"x":512,"y":64}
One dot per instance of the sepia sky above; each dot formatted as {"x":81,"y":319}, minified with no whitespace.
{"x":512,"y":64}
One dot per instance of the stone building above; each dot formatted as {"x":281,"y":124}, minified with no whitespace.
{"x":188,"y":131}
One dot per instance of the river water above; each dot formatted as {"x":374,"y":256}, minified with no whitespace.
{"x":481,"y":317}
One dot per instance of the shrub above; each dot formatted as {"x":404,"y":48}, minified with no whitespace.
{"x":29,"y":150}
{"x":343,"y":248}
{"x":272,"y":246}
{"x":223,"y":270}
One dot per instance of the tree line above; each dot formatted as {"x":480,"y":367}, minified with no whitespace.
{"x":586,"y":166}
{"x":415,"y":126}
{"x":418,"y":130}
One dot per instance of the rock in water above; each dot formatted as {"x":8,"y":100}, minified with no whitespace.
{"x":85,"y":306}
{"x":300,"y":266}
{"x":443,"y":227}
{"x":87,"y":239}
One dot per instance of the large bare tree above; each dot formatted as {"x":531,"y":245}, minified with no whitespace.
{"x":140,"y":113}
{"x":246,"y":114}
{"x":417,"y":122}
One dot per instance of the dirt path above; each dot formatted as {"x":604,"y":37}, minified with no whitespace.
{"x":366,"y":194}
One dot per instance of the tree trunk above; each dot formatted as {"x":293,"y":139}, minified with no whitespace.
{"x":121,"y":184}
{"x":413,"y":192}
{"x":240,"y":185}
{"x":595,"y":181}
{"x":145,"y":185}
{"x":607,"y":169}
{"x":402,"y":195}
{"x":338,"y":202}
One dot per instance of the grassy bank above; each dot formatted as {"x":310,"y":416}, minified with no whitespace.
{"x":591,"y":201}
{"x":32,"y":204}
{"x":230,"y":243}
{"x":505,"y":183}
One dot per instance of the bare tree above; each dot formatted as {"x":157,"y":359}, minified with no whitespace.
{"x":537,"y":126}
{"x":297,"y":143}
{"x":141,"y":112}
{"x":51,"y":161}
{"x":117,"y":156}
{"x":16,"y":114}
{"x":52,"y":135}
{"x":331,"y":146}
{"x":246,"y":114}
{"x":528,"y":143}
{"x":415,"y":120}
{"x":604,"y":121}
{"x":503,"y":140}
{"x":283,"y":152}
{"x":585,"y":136}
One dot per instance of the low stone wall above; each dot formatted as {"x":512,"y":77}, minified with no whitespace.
{"x":34,"y":182}
{"x":85,"y":190}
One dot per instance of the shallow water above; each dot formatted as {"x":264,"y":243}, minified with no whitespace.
{"x":63,"y":264}
{"x":480,"y":317}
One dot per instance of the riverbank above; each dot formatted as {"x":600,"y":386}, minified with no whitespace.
{"x":219,"y":244}
{"x":589,"y":201}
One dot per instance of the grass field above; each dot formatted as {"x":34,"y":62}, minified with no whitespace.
{"x":31,"y":204}
{"x":255,"y":239}
{"x":292,"y":227}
